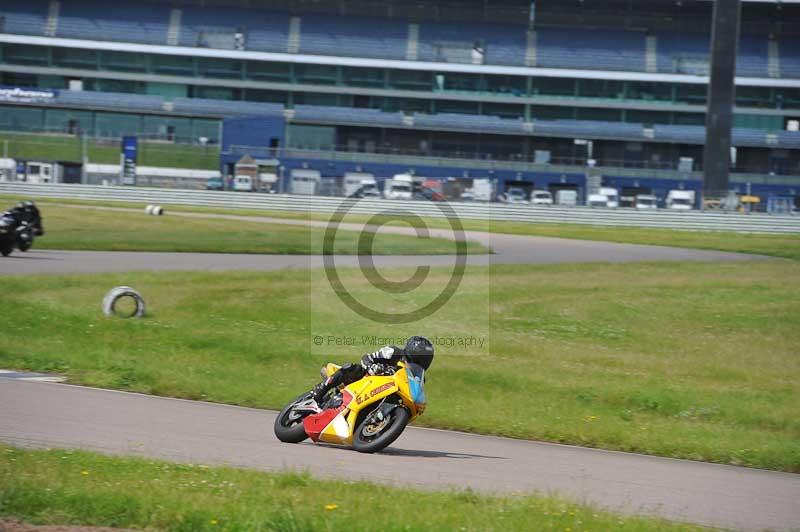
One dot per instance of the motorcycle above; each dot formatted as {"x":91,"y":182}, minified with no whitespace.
{"x":369,"y":414}
{"x":8,"y":235}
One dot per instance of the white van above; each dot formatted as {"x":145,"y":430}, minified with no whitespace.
{"x":399,"y":187}
{"x":646,"y":202}
{"x":680,"y":200}
{"x":541,"y":197}
{"x":355,"y":180}
{"x":305,"y":182}
{"x":243,"y":183}
{"x":612,"y":196}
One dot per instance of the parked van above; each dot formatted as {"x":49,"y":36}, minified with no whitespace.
{"x":646,"y":202}
{"x":243,"y":183}
{"x":355,"y":180}
{"x":399,"y":187}
{"x":305,"y":182}
{"x":541,"y":197}
{"x":681,"y":200}
{"x":612,"y":196}
{"x":597,"y":200}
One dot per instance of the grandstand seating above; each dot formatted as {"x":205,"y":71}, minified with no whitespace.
{"x":26,"y":17}
{"x":353,"y":36}
{"x":590,"y":49}
{"x":129,"y":21}
{"x":263,"y":30}
{"x":682,"y":53}
{"x":504,"y":44}
{"x":790,"y":57}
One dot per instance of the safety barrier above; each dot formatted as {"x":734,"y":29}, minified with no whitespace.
{"x":665,"y":219}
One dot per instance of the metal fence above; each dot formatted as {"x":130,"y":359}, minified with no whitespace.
{"x":664,"y":219}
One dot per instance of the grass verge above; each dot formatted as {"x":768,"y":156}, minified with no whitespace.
{"x":694,"y":361}
{"x":57,"y":147}
{"x":784,"y":246}
{"x":58,"y":487}
{"x":75,"y":229}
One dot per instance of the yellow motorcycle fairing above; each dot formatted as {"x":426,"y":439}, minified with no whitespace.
{"x":359,"y":395}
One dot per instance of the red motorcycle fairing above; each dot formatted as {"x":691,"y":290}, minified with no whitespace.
{"x":315,"y":424}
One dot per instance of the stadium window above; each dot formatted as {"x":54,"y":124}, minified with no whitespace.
{"x":646,"y":117}
{"x":600,"y":88}
{"x":362,"y":77}
{"x":74,"y":57}
{"x":215,"y":93}
{"x":20,"y":54}
{"x":123,"y":61}
{"x":257,"y":95}
{"x":690,"y":119}
{"x":540,"y":112}
{"x":640,"y":90}
{"x":513,"y":85}
{"x":411,"y":80}
{"x":219,"y":68}
{"x":452,"y":106}
{"x":503,"y":110}
{"x":261,"y":71}
{"x":554,"y":86}
{"x":172,"y":64}
{"x":607,"y":115}
{"x":753,"y":97}
{"x":691,"y":94}
{"x":318,"y":74}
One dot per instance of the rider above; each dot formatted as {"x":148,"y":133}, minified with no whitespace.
{"x":418,"y":350}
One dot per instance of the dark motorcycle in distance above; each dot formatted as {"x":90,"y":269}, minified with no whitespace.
{"x":18,"y":227}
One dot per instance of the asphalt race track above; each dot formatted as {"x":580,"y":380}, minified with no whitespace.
{"x":36,"y":414}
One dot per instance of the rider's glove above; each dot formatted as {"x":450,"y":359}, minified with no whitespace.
{"x":375,"y":369}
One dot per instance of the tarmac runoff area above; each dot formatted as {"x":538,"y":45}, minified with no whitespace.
{"x":41,"y":415}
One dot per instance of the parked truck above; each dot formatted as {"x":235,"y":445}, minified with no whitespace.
{"x":355,"y":180}
{"x":680,"y":200}
{"x":305,"y":182}
{"x":612,"y":196}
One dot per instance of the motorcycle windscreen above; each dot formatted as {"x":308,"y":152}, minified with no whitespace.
{"x":416,"y":382}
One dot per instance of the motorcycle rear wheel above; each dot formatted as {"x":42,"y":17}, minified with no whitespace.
{"x":6,"y":251}
{"x":369,"y":440}
{"x":289,"y":425}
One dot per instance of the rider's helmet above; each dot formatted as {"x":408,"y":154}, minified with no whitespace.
{"x":419,"y":350}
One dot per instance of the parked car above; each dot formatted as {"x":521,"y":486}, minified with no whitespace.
{"x":516,"y":195}
{"x":215,"y":183}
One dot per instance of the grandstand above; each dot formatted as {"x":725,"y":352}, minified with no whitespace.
{"x":423,"y":82}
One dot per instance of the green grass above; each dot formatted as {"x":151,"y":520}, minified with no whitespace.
{"x":60,"y":487}
{"x":695,"y":361}
{"x":76,"y":229}
{"x":69,"y":148}
{"x":785,"y":246}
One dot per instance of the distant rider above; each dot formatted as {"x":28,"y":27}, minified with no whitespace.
{"x":418,"y":350}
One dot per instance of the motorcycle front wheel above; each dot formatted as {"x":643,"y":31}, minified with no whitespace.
{"x":373,"y":435}
{"x":289,"y":424}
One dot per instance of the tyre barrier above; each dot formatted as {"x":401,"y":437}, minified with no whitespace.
{"x":154,"y":210}
{"x":120,"y":292}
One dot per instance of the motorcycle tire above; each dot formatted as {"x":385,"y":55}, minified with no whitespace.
{"x":6,"y":251}
{"x":25,"y":245}
{"x":387,"y":435}
{"x":287,"y":429}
